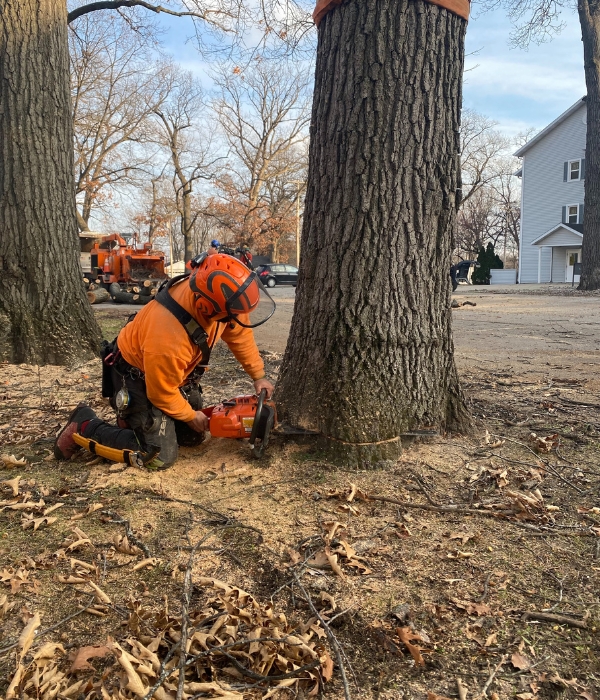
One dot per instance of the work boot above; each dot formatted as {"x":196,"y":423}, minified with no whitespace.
{"x":64,"y":446}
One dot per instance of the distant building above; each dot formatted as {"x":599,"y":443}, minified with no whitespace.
{"x":553,"y":175}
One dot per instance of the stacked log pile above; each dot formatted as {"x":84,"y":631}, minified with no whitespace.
{"x":139,"y":293}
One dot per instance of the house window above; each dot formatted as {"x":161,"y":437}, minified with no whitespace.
{"x":574,"y":171}
{"x":573,"y":214}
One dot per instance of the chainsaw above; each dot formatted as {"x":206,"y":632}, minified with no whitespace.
{"x":244,"y":417}
{"x":250,"y":417}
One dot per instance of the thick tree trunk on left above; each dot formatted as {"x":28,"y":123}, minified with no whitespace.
{"x":45,"y":317}
{"x":589,"y":16}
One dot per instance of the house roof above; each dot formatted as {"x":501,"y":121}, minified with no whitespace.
{"x":538,"y":137}
{"x":575,"y":230}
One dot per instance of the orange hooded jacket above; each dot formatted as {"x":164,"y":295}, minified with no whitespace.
{"x":157,"y":344}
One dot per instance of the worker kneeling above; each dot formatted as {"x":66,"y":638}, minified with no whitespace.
{"x":152,"y":371}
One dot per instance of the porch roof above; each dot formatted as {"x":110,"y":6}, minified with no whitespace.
{"x":562,"y":236}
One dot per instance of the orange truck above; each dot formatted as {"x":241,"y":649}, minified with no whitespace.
{"x":111,"y":259}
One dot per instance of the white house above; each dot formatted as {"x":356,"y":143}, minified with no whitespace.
{"x":553,"y":174}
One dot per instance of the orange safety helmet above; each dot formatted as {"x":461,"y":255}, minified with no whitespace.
{"x":224,"y":285}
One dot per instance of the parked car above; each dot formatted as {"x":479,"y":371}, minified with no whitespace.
{"x":461,"y":272}
{"x":277,"y":273}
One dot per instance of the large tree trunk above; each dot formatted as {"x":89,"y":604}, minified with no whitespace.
{"x":589,"y":16}
{"x":370,"y":353}
{"x":44,"y":314}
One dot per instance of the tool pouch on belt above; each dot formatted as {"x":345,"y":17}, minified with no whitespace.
{"x":107,"y":350}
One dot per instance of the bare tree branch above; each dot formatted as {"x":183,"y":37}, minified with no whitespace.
{"x":115,"y":4}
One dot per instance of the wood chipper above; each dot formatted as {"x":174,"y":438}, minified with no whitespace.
{"x":114,"y":260}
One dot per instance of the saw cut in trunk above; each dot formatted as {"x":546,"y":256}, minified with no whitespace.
{"x":370,"y":354}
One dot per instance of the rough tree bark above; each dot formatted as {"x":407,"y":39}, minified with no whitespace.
{"x":589,"y":16}
{"x":44,"y":314}
{"x":370,"y":353}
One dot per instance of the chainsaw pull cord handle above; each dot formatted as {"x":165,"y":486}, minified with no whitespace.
{"x":259,"y":406}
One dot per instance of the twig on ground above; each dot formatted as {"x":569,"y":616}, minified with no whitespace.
{"x":484,"y":595}
{"x":553,"y":617}
{"x":439,"y":509}
{"x":486,"y":513}
{"x":490,"y":680}
{"x":337,"y":650}
{"x":554,"y":471}
{"x":425,"y":492}
{"x":222,"y":519}
{"x":577,"y":403}
{"x":40,"y":634}
{"x":163,"y":672}
{"x":116,"y":518}
{"x":526,"y":670}
{"x":560,"y":595}
{"x":559,"y":476}
{"x":185,"y":605}
{"x":342,"y":612}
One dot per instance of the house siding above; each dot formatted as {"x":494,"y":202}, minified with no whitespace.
{"x":545,"y":193}
{"x":558,"y":265}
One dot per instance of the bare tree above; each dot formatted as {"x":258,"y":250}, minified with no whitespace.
{"x":507,"y":192}
{"x":481,"y":144}
{"x":476,"y":223}
{"x":181,"y":133}
{"x":115,"y":86}
{"x":263,"y":112}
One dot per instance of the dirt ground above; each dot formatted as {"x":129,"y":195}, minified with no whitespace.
{"x":480,"y":576}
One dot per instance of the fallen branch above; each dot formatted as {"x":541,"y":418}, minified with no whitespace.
{"x":552,"y":617}
{"x":577,"y":403}
{"x":332,"y":638}
{"x":490,"y":680}
{"x":222,"y":518}
{"x":440,"y":508}
{"x":486,"y":513}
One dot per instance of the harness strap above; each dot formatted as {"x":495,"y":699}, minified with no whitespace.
{"x":197,"y":334}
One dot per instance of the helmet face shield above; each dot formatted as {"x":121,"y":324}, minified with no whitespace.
{"x":251,"y":305}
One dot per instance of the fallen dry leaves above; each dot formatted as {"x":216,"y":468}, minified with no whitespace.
{"x":233,"y":637}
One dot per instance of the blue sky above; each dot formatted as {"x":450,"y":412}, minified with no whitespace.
{"x":522,"y":88}
{"x":517,"y":88}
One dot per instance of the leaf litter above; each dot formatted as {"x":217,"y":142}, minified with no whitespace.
{"x":407,"y":560}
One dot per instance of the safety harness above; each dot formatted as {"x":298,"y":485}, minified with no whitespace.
{"x":197,"y":334}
